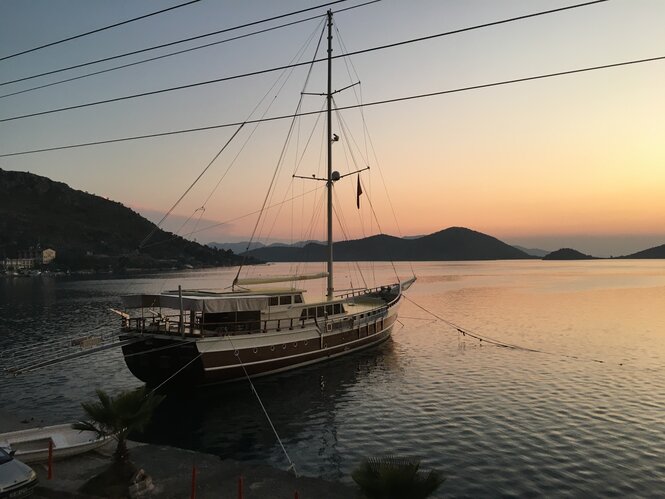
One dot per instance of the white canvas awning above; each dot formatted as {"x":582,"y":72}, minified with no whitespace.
{"x":206,"y":304}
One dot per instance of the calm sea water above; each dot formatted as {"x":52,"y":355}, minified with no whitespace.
{"x":584,"y":418}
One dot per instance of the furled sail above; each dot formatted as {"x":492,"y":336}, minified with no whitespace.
{"x":280,"y":278}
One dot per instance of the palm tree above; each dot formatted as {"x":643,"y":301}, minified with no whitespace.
{"x":395,"y":478}
{"x":119,"y":416}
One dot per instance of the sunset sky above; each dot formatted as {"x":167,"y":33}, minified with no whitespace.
{"x":576,"y":160}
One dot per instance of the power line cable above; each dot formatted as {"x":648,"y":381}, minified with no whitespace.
{"x":367,"y":104}
{"x":280,"y":68}
{"x":170,"y":54}
{"x":164,"y":56}
{"x":169,"y":44}
{"x":34,"y":49}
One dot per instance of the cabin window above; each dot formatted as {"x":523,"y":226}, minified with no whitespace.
{"x":297,"y":299}
{"x":338,"y":308}
{"x":274,"y":301}
{"x":329,"y":309}
{"x":320,"y":311}
{"x":285,"y":300}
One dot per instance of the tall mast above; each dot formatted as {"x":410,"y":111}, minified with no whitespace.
{"x":329,"y":182}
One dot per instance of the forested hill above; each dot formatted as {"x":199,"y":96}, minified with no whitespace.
{"x":88,"y":231}
{"x":657,"y":252}
{"x":454,"y":243}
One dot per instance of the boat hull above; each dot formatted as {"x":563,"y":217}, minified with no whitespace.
{"x":174,"y":362}
{"x":32,"y":445}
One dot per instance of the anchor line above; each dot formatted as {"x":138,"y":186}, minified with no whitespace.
{"x":492,"y":341}
{"x":292,"y":465}
{"x":174,"y":375}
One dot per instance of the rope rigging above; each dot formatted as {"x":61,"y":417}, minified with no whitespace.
{"x":493,"y":341}
{"x":260,"y":219}
{"x":292,"y":466}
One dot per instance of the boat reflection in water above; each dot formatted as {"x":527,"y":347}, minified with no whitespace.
{"x":227,"y":420}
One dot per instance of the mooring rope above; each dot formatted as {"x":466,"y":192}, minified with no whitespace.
{"x":174,"y":375}
{"x":499,"y":343}
{"x":292,"y":465}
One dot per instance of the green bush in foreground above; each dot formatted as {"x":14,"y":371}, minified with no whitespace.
{"x":118,"y":416}
{"x":395,"y":478}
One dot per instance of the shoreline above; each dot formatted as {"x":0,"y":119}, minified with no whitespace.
{"x":170,"y":469}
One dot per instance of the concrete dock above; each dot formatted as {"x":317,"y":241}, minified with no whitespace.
{"x":170,"y":470}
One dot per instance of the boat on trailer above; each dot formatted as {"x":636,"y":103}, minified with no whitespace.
{"x":32,"y":445}
{"x":194,"y":337}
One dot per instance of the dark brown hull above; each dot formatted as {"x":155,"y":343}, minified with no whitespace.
{"x":156,"y":360}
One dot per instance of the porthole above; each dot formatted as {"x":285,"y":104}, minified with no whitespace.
{"x":305,"y":342}
{"x":284,"y":346}
{"x":295,"y":344}
{"x":236,"y":353}
{"x":255,"y":350}
{"x":272,"y":348}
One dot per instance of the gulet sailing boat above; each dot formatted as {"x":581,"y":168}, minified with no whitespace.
{"x":200,"y":337}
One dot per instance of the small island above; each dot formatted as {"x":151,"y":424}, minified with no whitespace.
{"x":567,"y":254}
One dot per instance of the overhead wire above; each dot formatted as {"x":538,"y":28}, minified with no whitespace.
{"x":169,"y":44}
{"x":342,"y":108}
{"x":98,"y":30}
{"x":279,"y":68}
{"x":164,"y":56}
{"x":159,"y":57}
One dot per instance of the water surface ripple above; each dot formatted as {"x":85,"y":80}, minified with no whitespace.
{"x":497,"y":421}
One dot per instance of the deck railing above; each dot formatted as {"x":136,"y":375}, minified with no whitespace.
{"x":171,"y":325}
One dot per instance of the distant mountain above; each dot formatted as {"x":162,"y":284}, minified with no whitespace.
{"x":657,"y":252}
{"x":532,"y":251}
{"x":88,"y":231}
{"x":455,"y":243}
{"x":241,"y":247}
{"x":237,"y":248}
{"x":567,"y":254}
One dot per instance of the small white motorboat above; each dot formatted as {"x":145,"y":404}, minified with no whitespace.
{"x":31,"y":445}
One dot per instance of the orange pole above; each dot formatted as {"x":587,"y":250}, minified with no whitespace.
{"x":193,"y":496}
{"x":50,"y":460}
{"x":240,"y":492}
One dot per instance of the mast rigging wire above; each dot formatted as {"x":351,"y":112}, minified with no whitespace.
{"x":145,"y":240}
{"x":270,"y":192}
{"x":256,"y":125}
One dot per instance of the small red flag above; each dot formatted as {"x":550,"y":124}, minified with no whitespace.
{"x":359,"y":191}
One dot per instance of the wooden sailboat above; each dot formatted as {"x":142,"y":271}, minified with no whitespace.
{"x":198,"y":338}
